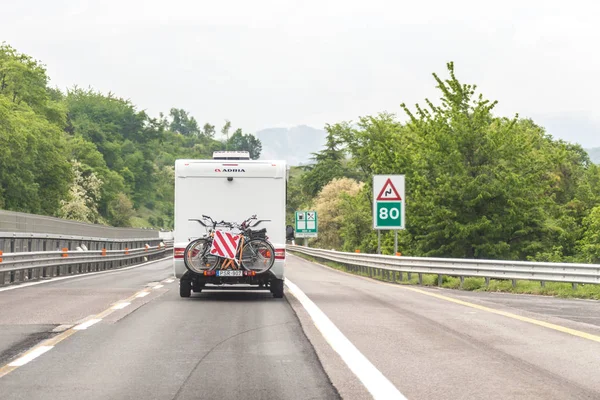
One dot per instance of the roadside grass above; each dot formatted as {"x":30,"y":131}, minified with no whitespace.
{"x":557,"y":289}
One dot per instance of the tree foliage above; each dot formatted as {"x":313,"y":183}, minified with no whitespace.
{"x":245,"y":142}
{"x":91,"y":156}
{"x":327,"y":204}
{"x":478,"y":185}
{"x":329,"y":163}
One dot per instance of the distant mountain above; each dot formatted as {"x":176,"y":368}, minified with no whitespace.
{"x":594,"y":154}
{"x":294,"y":145}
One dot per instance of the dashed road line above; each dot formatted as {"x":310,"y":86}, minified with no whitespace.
{"x":29,"y":356}
{"x":67,"y":331}
{"x":87,"y":324}
{"x":120,"y":306}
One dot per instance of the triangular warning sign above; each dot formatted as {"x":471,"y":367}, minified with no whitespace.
{"x":388,"y":192}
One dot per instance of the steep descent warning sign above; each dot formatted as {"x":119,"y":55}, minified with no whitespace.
{"x":389,"y":192}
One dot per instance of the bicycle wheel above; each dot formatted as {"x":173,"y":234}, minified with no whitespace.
{"x":258,"y":255}
{"x":197,"y":257}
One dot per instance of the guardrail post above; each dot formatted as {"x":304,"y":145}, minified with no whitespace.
{"x":401,"y":277}
{"x":420,"y":278}
{"x":440,"y":279}
{"x":462,"y":281}
{"x":543,"y":284}
{"x":487,"y":281}
{"x":370,"y":272}
{"x":394,"y":276}
{"x":408,"y":276}
{"x":514,"y":283}
{"x":574,"y":286}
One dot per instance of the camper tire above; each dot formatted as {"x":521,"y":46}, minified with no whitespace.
{"x":277,"y":288}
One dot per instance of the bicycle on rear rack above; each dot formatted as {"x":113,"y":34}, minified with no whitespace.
{"x":221,"y":252}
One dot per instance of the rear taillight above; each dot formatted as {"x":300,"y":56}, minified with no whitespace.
{"x":280,"y":254}
{"x":178,"y":252}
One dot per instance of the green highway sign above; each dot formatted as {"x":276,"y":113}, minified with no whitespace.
{"x":306,"y":224}
{"x":388,"y":202}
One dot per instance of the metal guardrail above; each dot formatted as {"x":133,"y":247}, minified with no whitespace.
{"x":388,"y":266}
{"x":25,"y":242}
{"x":20,"y":267}
{"x":12,"y":221}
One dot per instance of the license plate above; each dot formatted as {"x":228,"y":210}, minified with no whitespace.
{"x":229,"y":273}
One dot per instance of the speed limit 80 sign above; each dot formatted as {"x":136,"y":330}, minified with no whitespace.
{"x":388,"y":201}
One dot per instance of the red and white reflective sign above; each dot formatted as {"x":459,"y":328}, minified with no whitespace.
{"x":225,"y":244}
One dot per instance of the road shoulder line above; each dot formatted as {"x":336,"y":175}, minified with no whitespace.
{"x":373,"y":380}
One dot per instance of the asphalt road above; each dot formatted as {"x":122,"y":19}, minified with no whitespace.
{"x":218,"y":345}
{"x":433,"y":348}
{"x":429,"y":343}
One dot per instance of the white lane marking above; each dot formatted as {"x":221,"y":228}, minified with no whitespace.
{"x":157,"y":286}
{"x":170,"y":280}
{"x":62,"y":328}
{"x":87,"y":324}
{"x":142,"y":294}
{"x":30,"y":356}
{"x":120,"y":306}
{"x":24,"y":285}
{"x":373,"y":380}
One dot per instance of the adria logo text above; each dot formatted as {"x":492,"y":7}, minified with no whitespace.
{"x":230,"y":170}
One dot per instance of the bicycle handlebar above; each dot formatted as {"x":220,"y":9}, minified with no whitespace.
{"x":243,"y":226}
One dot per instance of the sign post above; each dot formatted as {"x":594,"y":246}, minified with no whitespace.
{"x":307,"y":225}
{"x":389,"y":204}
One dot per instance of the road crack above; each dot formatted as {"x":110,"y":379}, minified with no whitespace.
{"x":217,"y":345}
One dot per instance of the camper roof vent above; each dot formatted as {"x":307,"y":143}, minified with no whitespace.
{"x":231,"y":155}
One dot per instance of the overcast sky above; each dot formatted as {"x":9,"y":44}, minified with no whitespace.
{"x":272,"y":63}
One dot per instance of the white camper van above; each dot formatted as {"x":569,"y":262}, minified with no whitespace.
{"x":230,"y":187}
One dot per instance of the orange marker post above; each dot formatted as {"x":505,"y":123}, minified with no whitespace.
{"x":65,"y":252}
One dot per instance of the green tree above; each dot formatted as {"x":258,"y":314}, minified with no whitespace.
{"x":208,"y":130}
{"x":328,"y":164}
{"x":183,"y":123}
{"x":225,"y":130}
{"x":245,"y":142}
{"x":331,"y":218}
{"x":84,"y":196}
{"x":120,"y":210}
